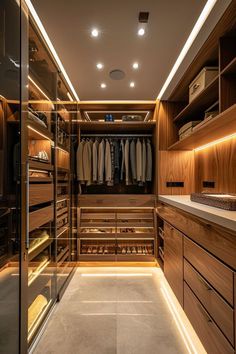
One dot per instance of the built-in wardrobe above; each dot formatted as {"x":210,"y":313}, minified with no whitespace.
{"x":37,"y":246}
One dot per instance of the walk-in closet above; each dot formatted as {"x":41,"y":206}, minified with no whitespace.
{"x":117,"y":177}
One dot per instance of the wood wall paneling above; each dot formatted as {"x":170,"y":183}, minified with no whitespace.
{"x":176,"y":166}
{"x":217,"y":164}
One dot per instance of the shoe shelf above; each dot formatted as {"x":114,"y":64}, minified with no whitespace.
{"x":131,"y":234}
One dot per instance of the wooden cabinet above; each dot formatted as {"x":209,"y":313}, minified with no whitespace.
{"x":173,"y":260}
{"x":210,"y":335}
{"x":214,"y":238}
{"x":218,"y":309}
{"x":214,"y":271}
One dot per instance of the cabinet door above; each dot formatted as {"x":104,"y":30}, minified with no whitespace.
{"x":173,"y":260}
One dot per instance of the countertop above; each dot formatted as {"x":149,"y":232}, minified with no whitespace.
{"x":218,"y":216}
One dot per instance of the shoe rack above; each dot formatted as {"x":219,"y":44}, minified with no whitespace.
{"x":116,"y":234}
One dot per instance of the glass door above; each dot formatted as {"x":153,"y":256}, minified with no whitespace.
{"x":10,"y":175}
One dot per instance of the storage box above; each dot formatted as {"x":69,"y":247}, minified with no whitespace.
{"x":203,"y":79}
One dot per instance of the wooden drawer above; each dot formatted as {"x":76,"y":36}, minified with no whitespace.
{"x":219,"y":310}
{"x":40,"y":193}
{"x":173,"y":260}
{"x":216,"y":273}
{"x":120,"y":200}
{"x":40,"y":217}
{"x":211,"y":337}
{"x":215,"y":239}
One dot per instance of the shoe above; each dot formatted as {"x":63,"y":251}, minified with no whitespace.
{"x":128,"y":250}
{"x":89,"y":251}
{"x":95,"y":250}
{"x":100,"y":251}
{"x":139,"y":250}
{"x":133,"y":250}
{"x":123,"y":250}
{"x":105,"y":250}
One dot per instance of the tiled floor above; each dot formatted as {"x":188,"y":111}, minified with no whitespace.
{"x":113,"y":311}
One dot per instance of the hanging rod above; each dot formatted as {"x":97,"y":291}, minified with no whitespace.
{"x":115,"y":135}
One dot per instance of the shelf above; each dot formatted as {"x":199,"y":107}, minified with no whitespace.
{"x":62,"y":253}
{"x":38,"y":132}
{"x":62,"y":211}
{"x":63,"y":148}
{"x":116,"y":105}
{"x":136,"y":236}
{"x":97,"y":257}
{"x":117,"y":126}
{"x":37,"y":165}
{"x":62,"y":197}
{"x":41,"y":247}
{"x":40,"y":179}
{"x":62,"y":229}
{"x":218,"y":127}
{"x":230,"y":68}
{"x":208,"y":96}
{"x":97,"y":236}
{"x":135,"y":257}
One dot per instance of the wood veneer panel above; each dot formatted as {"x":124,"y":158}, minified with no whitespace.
{"x":116,"y":105}
{"x":167,"y":131}
{"x":208,"y":332}
{"x":94,"y":200}
{"x":219,"y":310}
{"x":40,"y":193}
{"x":173,"y":260}
{"x":121,"y":127}
{"x":217,"y":240}
{"x":176,"y":166}
{"x":217,"y":164}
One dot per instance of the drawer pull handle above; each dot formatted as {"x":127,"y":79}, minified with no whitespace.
{"x":205,"y":314}
{"x":195,"y":87}
{"x":207,"y":286}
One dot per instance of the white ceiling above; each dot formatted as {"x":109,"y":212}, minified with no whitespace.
{"x":68,"y":24}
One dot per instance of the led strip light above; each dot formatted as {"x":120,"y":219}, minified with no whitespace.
{"x":196,"y":29}
{"x":50,"y":46}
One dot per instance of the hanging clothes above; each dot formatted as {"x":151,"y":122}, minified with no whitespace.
{"x":127,"y":161}
{"x":139,"y":160}
{"x":108,"y":176}
{"x":101,"y":161}
{"x":79,"y":156}
{"x":149,"y":162}
{"x":122,"y":159}
{"x":133,"y":160}
{"x":144,"y":161}
{"x":95,"y":161}
{"x":87,"y":166}
{"x":116,"y":162}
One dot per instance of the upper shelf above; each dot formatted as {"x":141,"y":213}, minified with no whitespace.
{"x":116,"y":105}
{"x":218,"y":127}
{"x":117,"y":126}
{"x":200,"y":103}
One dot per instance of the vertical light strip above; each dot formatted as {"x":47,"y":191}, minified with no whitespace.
{"x":50,"y":45}
{"x":197,"y":27}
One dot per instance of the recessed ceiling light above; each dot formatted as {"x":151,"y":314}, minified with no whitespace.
{"x":135,"y":65}
{"x":94,"y":32}
{"x":132,"y":84}
{"x":99,"y":66}
{"x":103,"y":85}
{"x":141,"y":31}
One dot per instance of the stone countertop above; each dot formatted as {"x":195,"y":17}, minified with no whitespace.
{"x":218,"y":216}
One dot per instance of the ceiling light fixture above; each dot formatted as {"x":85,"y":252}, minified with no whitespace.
{"x":50,"y":46}
{"x":141,"y":31}
{"x":135,"y":65}
{"x":103,"y":85}
{"x":94,"y":32}
{"x":196,"y":29}
{"x":99,"y":66}
{"x":132,"y":84}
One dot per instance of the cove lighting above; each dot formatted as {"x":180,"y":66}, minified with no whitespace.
{"x":40,"y":90}
{"x":141,"y":31}
{"x":135,"y":65}
{"x":179,"y":323}
{"x":116,"y":275}
{"x":39,"y":133}
{"x":215,"y":142}
{"x":196,"y":29}
{"x":70,"y":97}
{"x":94,"y":32}
{"x":99,"y":66}
{"x":50,"y":46}
{"x":132,"y":84}
{"x":103,"y":85}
